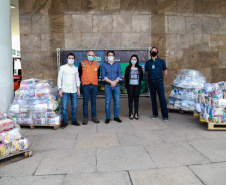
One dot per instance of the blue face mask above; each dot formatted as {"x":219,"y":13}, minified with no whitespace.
{"x":133,"y":62}
{"x":90,"y":58}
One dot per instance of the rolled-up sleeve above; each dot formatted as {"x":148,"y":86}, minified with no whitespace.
{"x":119,"y":73}
{"x":77,"y":79}
{"x":59,"y":79}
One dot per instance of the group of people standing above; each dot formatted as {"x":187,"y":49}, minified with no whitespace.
{"x":88,"y":72}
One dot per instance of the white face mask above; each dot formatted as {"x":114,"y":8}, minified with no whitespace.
{"x":70,"y":61}
{"x":111,"y":59}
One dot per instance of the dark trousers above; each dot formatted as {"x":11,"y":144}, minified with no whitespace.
{"x":158,"y":86}
{"x":133,"y":96}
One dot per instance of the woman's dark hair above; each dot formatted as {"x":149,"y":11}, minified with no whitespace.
{"x":71,"y":54}
{"x":137,"y":64}
{"x":110,"y":52}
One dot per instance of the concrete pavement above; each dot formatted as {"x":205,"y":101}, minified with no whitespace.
{"x":144,"y":152}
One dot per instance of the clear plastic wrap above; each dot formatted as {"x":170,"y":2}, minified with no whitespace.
{"x":213,"y":105}
{"x":188,"y":78}
{"x":35,"y":102}
{"x":186,"y":89}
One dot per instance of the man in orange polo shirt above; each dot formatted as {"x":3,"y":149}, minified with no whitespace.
{"x":89,"y":72}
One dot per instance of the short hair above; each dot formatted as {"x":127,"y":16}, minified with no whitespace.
{"x":71,"y":55}
{"x":91,"y":51}
{"x":155,"y":48}
{"x":110,"y":52}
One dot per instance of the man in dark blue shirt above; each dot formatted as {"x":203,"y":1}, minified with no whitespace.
{"x":111,"y":73}
{"x":156,"y":70}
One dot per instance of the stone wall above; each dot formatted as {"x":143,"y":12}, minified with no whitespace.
{"x":189,"y":33}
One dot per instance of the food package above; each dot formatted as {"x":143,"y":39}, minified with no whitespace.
{"x":15,"y":146}
{"x":24,"y":144}
{"x":217,"y":112}
{"x":188,"y":78}
{"x":35,"y":97}
{"x":2,"y":150}
{"x":9,"y":136}
{"x":177,"y":104}
{"x":222,"y":103}
{"x":3,"y":115}
{"x":19,"y":144}
{"x":198,"y":107}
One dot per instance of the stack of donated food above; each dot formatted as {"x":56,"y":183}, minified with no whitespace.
{"x":11,"y":140}
{"x":211,"y":102}
{"x":36,"y":103}
{"x":185,"y":88}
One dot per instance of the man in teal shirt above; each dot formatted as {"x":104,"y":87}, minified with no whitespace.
{"x":156,"y":70}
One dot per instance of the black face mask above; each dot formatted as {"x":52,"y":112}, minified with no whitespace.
{"x":153,"y":54}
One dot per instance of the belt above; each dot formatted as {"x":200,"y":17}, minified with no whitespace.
{"x":155,"y":80}
{"x":107,"y":83}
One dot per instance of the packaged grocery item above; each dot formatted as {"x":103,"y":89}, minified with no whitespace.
{"x":222,"y":103}
{"x":2,"y":150}
{"x":24,"y":143}
{"x":15,"y":146}
{"x":33,"y":98}
{"x":9,"y":136}
{"x":198,"y":107}
{"x":8,"y":124}
{"x":186,"y":89}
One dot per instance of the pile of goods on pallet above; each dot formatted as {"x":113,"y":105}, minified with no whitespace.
{"x":211,"y":102}
{"x":185,"y":88}
{"x":36,"y":103}
{"x":11,"y":140}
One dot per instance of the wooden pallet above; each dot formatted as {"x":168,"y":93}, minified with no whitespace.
{"x":55,"y":127}
{"x":180,"y":111}
{"x":216,"y":126}
{"x":14,"y":157}
{"x":196,"y":114}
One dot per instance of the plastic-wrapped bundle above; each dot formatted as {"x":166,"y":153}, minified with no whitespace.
{"x":184,"y":94}
{"x":35,"y":98}
{"x":9,"y":136}
{"x":19,"y":144}
{"x":3,"y":115}
{"x":213,"y":107}
{"x":187,"y":105}
{"x":188,"y":78}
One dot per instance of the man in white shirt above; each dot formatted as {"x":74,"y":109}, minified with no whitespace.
{"x":68,"y":83}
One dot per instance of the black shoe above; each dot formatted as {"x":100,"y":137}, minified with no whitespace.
{"x":118,"y":120}
{"x":131,"y":116}
{"x":136,"y":117}
{"x":63,"y":125}
{"x":107,"y":121}
{"x":75,"y":123}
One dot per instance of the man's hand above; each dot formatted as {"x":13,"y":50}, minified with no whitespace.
{"x":61,"y":93}
{"x":113,"y":83}
{"x":78,"y":91}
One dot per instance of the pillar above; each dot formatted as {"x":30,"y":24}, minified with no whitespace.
{"x":6,"y":62}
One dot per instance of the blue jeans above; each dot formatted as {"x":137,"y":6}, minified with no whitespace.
{"x":65,"y":100}
{"x":109,"y":92}
{"x":159,"y":87}
{"x":89,"y":91}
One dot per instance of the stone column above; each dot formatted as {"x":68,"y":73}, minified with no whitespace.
{"x":6,"y":62}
